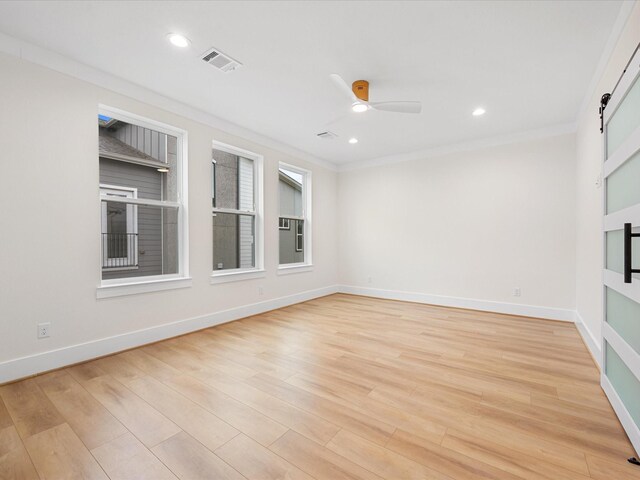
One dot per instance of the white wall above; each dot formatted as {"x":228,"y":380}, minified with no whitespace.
{"x":470,"y":225}
{"x":50,"y":222}
{"x":589,"y":247}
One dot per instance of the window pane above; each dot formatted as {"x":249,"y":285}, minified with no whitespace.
{"x":290,"y":186}
{"x":625,"y":119}
{"x":232,"y":181}
{"x":292,"y":243}
{"x":138,"y":158}
{"x":622,"y":185}
{"x":138,"y":240}
{"x":615,"y":251}
{"x":623,"y":314}
{"x":625,"y":383}
{"x":233,"y":241}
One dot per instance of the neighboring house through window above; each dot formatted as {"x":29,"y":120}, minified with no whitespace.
{"x":141,"y":187}
{"x":294,"y":202}
{"x":236,"y":206}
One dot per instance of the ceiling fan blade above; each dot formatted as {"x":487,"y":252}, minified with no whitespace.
{"x":401,"y":107}
{"x":342,"y":85}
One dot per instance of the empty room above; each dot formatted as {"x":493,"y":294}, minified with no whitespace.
{"x":320,"y":240}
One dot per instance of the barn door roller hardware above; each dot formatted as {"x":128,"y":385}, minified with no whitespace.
{"x":603,"y":104}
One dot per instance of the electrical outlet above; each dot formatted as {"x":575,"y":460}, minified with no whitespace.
{"x":260,"y":290}
{"x":369,"y":279}
{"x":44,"y":330}
{"x":517,"y":292}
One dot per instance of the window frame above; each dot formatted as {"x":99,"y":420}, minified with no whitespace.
{"x":134,"y":285}
{"x":284,"y":225}
{"x":306,"y":217}
{"x":257,"y":271}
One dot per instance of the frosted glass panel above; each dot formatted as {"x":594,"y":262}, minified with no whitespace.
{"x":625,"y":119}
{"x":623,"y":185}
{"x":615,"y":251}
{"x":623,"y":314}
{"x":624,"y":382}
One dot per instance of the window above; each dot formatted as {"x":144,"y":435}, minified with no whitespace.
{"x":284,"y":224}
{"x":119,"y":229}
{"x":236,"y":210}
{"x":294,"y":185}
{"x":142,"y":192}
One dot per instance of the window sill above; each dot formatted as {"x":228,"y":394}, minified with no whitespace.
{"x":295,"y":268}
{"x":145,"y":286}
{"x":236,"y":276}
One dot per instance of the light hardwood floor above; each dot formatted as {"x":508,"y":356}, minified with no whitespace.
{"x":338,"y":387}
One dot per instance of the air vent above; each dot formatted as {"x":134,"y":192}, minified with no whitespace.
{"x":221,"y":61}
{"x":327,"y":135}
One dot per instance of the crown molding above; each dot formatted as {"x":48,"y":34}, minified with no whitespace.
{"x":623,"y":16}
{"x":553,"y":131}
{"x":62,"y":64}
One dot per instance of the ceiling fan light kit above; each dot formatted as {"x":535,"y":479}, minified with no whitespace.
{"x":359,"y":95}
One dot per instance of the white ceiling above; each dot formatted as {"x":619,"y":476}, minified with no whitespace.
{"x":529,"y":63}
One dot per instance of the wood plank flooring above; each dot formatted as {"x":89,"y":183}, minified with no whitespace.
{"x":342,"y":387}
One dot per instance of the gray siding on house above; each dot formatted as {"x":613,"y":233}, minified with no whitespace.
{"x":233,"y":236}
{"x":147,"y":141}
{"x":290,"y":204}
{"x":148,"y":182}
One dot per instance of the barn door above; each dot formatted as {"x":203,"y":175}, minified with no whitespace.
{"x":621,"y":327}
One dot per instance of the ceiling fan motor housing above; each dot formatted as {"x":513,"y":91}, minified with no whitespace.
{"x":361,"y":89}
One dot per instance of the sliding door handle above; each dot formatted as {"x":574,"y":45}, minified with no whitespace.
{"x":628,"y":257}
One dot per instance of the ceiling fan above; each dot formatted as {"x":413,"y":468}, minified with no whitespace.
{"x":359,"y":95}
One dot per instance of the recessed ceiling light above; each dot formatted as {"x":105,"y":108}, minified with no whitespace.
{"x":359,"y":107}
{"x":178,"y":40}
{"x":478,"y":111}
{"x":353,"y":140}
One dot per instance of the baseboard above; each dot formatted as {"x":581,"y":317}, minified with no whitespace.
{"x":18,"y":368}
{"x":589,"y":340}
{"x":548,"y":313}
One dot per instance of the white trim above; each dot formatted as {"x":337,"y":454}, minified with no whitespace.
{"x":630,"y":427}
{"x":287,"y":269}
{"x":149,"y":284}
{"x":130,"y":262}
{"x":140,"y":201}
{"x":553,"y":131}
{"x":623,"y":153}
{"x":589,"y":339}
{"x":45,"y":361}
{"x":615,"y":280}
{"x":549,"y":313}
{"x":127,"y":286}
{"x":236,"y":275}
{"x":616,"y":220}
{"x":55,"y":61}
{"x":627,"y":354}
{"x":257,"y":212}
{"x":307,"y":209}
{"x":623,"y":15}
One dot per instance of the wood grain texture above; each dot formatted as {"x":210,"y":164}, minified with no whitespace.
{"x":341,"y":387}
{"x":126,"y":458}
{"x":189,"y":459}
{"x":58,"y":453}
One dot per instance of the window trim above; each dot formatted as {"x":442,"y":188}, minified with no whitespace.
{"x":284,"y":225}
{"x":307,"y":263}
{"x":235,"y":274}
{"x":134,"y":285}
